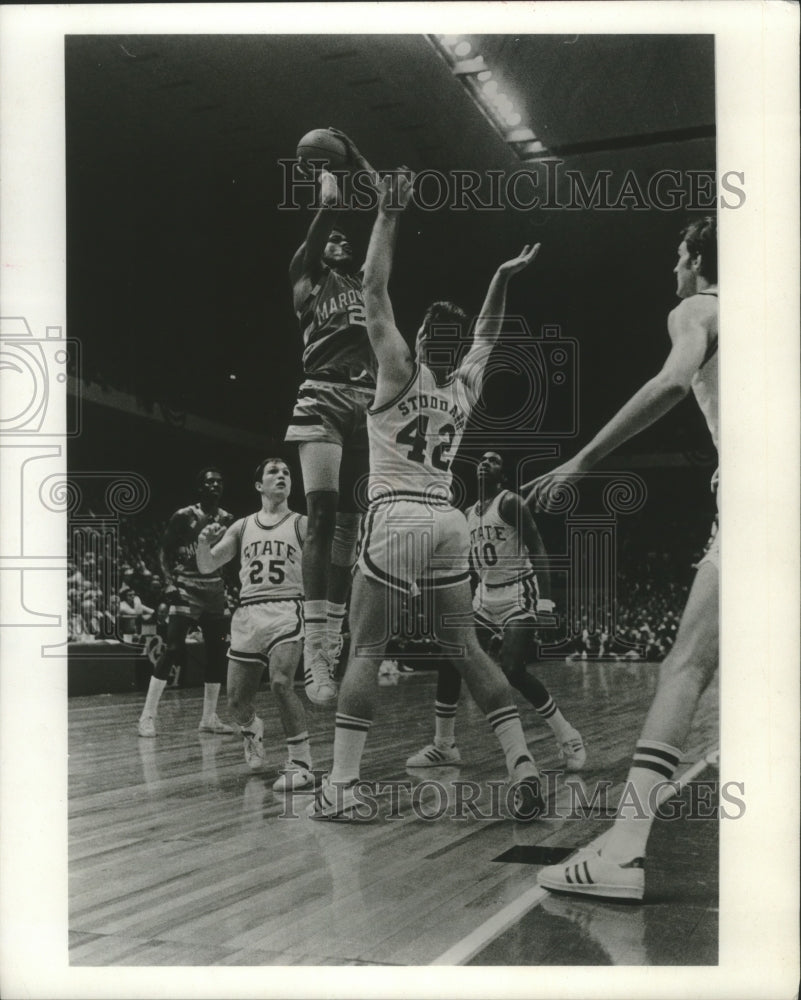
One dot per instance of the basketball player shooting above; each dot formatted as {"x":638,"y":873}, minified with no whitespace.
{"x":413,"y":537}
{"x":618,"y":869}
{"x":328,"y":424}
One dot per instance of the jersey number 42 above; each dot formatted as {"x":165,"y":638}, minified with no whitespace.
{"x":414,"y":435}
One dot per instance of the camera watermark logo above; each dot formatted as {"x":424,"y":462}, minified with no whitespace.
{"x":30,"y":370}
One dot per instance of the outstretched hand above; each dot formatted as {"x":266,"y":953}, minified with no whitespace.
{"x":542,"y":491}
{"x":395,"y":191}
{"x":523,"y":259}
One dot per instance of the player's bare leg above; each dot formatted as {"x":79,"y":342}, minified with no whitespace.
{"x":242,"y":688}
{"x":340,"y":579}
{"x":453,"y":626}
{"x":297,"y":770}
{"x":173,"y":654}
{"x":513,"y":660}
{"x":214,"y":629}
{"x":443,"y":752}
{"x":320,"y":462}
{"x":357,"y":695}
{"x":683,"y":677}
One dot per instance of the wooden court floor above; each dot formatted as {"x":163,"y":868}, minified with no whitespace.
{"x":179,"y":855}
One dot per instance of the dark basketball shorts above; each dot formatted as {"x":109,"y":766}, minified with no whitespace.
{"x":204,"y":597}
{"x":331,"y":412}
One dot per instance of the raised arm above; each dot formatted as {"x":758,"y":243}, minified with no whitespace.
{"x":689,"y":329}
{"x":490,"y":320}
{"x":216,"y":546}
{"x":393,"y":355}
{"x":306,"y":265}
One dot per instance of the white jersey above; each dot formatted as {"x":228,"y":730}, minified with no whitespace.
{"x":497,"y":551}
{"x":414,"y":438}
{"x":705,"y":386}
{"x":269,"y":558}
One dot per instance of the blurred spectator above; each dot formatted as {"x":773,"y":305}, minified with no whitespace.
{"x":132,"y":612}
{"x":75,"y":625}
{"x":162,"y":613}
{"x":74,"y":575}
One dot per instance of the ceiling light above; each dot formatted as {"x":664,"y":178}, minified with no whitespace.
{"x":485,"y":75}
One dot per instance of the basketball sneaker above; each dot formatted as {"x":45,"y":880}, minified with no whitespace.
{"x":296,"y":777}
{"x":333,"y":651}
{"x":214,"y":725}
{"x":435,"y":756}
{"x":147,"y":726}
{"x":333,"y":801}
{"x":572,"y":752}
{"x":253,"y":744}
{"x":528,"y":801}
{"x":589,"y":874}
{"x":320,"y":688}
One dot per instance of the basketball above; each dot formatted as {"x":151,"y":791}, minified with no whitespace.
{"x":320,"y":144}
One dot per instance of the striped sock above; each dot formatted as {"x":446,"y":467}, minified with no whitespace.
{"x":349,"y":739}
{"x":506,"y":725}
{"x":314,"y":618}
{"x":653,"y":763}
{"x":560,"y":727}
{"x":335,"y":616}
{"x":444,"y":724}
{"x":299,"y":749}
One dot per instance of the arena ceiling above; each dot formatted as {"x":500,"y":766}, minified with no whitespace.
{"x":177,"y":250}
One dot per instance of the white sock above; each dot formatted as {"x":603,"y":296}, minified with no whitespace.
{"x":154,"y":693}
{"x":444,"y":724}
{"x":560,"y":727}
{"x":299,"y":749}
{"x":335,"y":616}
{"x":350,"y":736}
{"x":314,"y":618}
{"x":506,"y":725}
{"x":653,"y":763}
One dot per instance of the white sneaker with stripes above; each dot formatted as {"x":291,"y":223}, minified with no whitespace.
{"x":589,"y":874}
{"x":334,"y":801}
{"x":572,"y":752}
{"x":320,"y":688}
{"x":434,"y":756}
{"x":253,"y":744}
{"x":295,"y":777}
{"x":528,"y":801}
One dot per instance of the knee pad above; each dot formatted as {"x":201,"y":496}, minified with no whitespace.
{"x":346,"y":537}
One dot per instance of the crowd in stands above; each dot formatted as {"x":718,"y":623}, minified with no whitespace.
{"x":124,"y":601}
{"x":130,"y":603}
